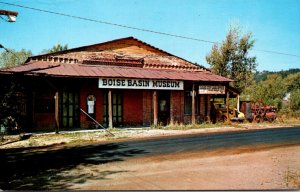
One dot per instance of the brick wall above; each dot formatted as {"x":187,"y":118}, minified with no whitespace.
{"x":44,"y":121}
{"x":89,"y":87}
{"x":176,"y":107}
{"x":204,"y":113}
{"x":41,"y":95}
{"x":133,"y":107}
{"x":147,"y":108}
{"x":208,"y":108}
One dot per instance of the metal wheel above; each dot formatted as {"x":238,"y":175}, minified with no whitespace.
{"x":224,"y":119}
{"x":257,"y":118}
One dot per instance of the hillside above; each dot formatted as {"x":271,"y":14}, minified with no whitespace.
{"x":262,"y":76}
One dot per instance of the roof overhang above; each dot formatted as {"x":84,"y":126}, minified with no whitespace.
{"x":37,"y":68}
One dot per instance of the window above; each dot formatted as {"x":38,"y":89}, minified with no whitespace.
{"x":69,"y":109}
{"x":188,"y":103}
{"x":117,"y":109}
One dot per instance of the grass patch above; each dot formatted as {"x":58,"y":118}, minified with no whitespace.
{"x":292,"y":179}
{"x":289,"y":121}
{"x":114,"y":129}
{"x":50,"y":139}
{"x":194,"y":126}
{"x":117,"y":138}
{"x":8,"y":138}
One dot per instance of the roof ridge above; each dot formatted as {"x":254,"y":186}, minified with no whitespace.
{"x":115,"y":40}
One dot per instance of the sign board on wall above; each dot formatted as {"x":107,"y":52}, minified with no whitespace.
{"x":119,"y":83}
{"x":211,"y":89}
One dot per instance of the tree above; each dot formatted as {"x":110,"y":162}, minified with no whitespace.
{"x":295,"y":99}
{"x":270,"y":91}
{"x":11,"y":104}
{"x":11,"y":58}
{"x":56,"y":48}
{"x":261,"y":76}
{"x":292,"y":82}
{"x":231,"y":59}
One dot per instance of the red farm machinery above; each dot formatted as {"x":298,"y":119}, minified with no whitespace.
{"x":258,"y":111}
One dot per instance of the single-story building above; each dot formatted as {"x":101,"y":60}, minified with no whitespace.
{"x":123,"y":82}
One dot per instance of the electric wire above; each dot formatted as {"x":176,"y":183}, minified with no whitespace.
{"x":139,"y":29}
{"x":108,"y":23}
{"x":3,"y":19}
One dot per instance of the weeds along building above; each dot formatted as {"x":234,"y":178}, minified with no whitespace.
{"x":123,"y":82}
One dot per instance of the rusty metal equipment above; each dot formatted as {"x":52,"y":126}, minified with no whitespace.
{"x":258,"y":111}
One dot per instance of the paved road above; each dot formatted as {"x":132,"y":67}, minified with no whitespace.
{"x":251,"y":138}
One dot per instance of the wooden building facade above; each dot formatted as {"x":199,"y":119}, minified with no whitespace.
{"x":119,"y":83}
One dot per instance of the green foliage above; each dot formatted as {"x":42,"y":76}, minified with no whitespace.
{"x":231,"y":59}
{"x":10,"y":105}
{"x":56,"y":48}
{"x":274,"y":88}
{"x":271,"y":91}
{"x":262,"y":76}
{"x":13,"y":58}
{"x":295,"y":99}
{"x":292,"y":82}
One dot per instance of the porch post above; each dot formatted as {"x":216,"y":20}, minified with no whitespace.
{"x":171,"y":108}
{"x":155,"y":114}
{"x":227,"y":104}
{"x":110,"y":115}
{"x":193,"y":105}
{"x":56,"y":111}
{"x":238,"y":102}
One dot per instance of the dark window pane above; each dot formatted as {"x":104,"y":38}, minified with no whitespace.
{"x":76,"y":99}
{"x":71,"y":110}
{"x":187,"y":103}
{"x":71,"y":122}
{"x":114,"y":98}
{"x":119,"y":110}
{"x":119,"y":99}
{"x":104,"y":110}
{"x":65,"y":110}
{"x":114,"y":110}
{"x":65,"y":97}
{"x":71,"y":98}
{"x":64,"y":122}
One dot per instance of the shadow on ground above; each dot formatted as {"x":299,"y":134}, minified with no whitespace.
{"x":39,"y":168}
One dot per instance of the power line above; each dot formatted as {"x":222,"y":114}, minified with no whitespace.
{"x":275,"y":52}
{"x":139,"y":29}
{"x":108,"y":23}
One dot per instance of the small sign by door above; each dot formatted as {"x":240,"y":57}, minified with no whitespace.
{"x":211,"y":89}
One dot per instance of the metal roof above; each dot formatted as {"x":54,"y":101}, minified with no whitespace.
{"x":79,"y":70}
{"x":152,"y":57}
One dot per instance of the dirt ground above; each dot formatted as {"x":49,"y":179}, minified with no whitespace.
{"x":241,"y":169}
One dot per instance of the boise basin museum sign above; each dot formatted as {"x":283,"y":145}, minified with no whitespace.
{"x":117,"y":83}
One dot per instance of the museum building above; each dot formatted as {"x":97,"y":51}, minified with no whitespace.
{"x":119,"y":83}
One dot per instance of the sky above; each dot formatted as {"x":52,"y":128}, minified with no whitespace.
{"x":275,"y":25}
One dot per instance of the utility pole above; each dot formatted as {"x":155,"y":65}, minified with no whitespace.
{"x":11,"y":15}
